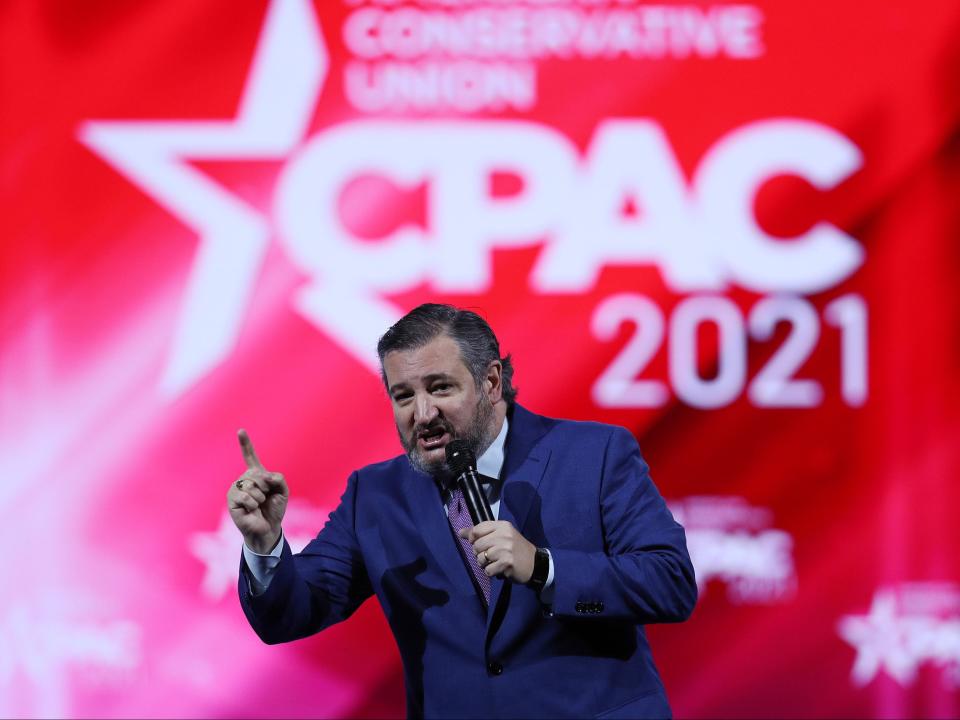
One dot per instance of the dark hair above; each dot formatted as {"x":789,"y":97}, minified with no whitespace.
{"x":478,"y":345}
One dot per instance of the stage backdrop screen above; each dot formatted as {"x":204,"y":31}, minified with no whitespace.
{"x":732,"y":227}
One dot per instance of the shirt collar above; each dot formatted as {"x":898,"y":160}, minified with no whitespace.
{"x":491,"y":462}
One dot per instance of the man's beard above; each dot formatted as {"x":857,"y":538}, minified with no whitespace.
{"x":477,"y":436}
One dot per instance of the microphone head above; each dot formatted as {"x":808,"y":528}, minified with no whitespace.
{"x":460,"y":457}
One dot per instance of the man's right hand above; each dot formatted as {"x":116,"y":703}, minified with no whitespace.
{"x":257,"y":501}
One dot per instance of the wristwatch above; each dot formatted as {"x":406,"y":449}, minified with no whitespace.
{"x":541,"y":569}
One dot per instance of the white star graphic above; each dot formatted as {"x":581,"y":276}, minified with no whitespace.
{"x":220,"y":550}
{"x":289,"y":67}
{"x":880,"y":640}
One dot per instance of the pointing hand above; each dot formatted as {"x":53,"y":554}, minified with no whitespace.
{"x":257,"y":501}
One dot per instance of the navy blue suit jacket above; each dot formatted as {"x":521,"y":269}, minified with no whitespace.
{"x":620,"y":561}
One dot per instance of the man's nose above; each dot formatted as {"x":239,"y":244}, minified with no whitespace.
{"x":425,"y":410}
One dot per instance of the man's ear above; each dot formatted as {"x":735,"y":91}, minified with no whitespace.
{"x":493,"y":382}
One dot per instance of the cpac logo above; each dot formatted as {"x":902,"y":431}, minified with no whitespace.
{"x":908,"y":625}
{"x":702,"y":234}
{"x":732,"y":541}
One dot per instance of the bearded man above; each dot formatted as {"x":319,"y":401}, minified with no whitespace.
{"x":538,"y":613}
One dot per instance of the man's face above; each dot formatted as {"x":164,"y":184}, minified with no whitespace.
{"x":436,"y":400}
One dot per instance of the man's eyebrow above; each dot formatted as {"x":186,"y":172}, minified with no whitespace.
{"x":437,"y":376}
{"x":399,"y":386}
{"x":427,"y":379}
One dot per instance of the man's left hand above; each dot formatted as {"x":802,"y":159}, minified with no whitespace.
{"x":501,"y":550}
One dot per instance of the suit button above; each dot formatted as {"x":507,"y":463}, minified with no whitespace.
{"x":547,"y":612}
{"x":495,"y":668}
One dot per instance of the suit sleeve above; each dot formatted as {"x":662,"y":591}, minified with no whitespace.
{"x":644,"y":572}
{"x":315,"y":588}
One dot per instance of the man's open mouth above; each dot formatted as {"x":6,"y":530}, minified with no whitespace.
{"x":433,"y":438}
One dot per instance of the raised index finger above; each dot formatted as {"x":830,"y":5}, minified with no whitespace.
{"x":249,"y":454}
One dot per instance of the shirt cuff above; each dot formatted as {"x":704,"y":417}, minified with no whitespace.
{"x":546,"y":594}
{"x":262,"y":568}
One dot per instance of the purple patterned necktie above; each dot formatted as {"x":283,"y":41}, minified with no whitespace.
{"x":459,"y":518}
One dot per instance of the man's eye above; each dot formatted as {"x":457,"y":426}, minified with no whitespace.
{"x":441,"y":387}
{"x":402,"y":397}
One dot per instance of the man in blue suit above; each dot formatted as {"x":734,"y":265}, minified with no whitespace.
{"x":539,"y":613}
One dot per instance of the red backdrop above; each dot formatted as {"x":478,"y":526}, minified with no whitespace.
{"x":731,"y":228}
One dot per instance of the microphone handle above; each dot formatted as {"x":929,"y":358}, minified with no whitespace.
{"x":477,"y":504}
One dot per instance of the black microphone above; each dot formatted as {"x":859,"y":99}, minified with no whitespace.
{"x":463,"y":462}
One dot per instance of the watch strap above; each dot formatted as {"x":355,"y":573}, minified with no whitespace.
{"x":541,"y":569}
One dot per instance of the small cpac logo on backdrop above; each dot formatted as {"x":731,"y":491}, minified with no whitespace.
{"x":732,"y":541}
{"x":53,"y":638}
{"x":908,"y":625}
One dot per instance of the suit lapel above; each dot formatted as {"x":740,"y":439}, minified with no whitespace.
{"x":426,"y":509}
{"x":522,"y":472}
